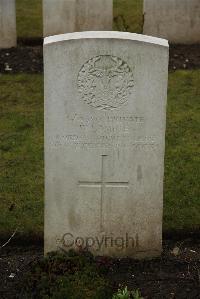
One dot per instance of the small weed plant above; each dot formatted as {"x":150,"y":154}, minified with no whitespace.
{"x":125,"y":294}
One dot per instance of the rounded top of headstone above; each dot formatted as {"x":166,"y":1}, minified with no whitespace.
{"x":106,"y":35}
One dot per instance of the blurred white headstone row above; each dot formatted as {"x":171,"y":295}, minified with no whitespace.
{"x":176,"y":20}
{"x":8,"y":35}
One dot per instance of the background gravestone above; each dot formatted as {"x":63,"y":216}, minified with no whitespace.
{"x":8,"y":37}
{"x":176,"y":20}
{"x":63,"y":16}
{"x":105,"y":109}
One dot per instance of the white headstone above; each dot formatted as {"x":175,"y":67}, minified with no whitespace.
{"x":105,"y":108}
{"x":8,"y":37}
{"x":63,"y":16}
{"x":176,"y":20}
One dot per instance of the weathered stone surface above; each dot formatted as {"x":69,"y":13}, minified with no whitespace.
{"x":105,"y":107}
{"x":8,"y":37}
{"x":63,"y":16}
{"x":176,"y":20}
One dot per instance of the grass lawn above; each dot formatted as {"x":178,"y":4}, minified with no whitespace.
{"x":127,"y":16}
{"x":21,"y":148}
{"x":29,"y":18}
{"x":182,"y":162}
{"x":21,"y":145}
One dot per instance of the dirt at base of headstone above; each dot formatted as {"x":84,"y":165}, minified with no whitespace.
{"x":23,"y":59}
{"x":175,"y":275}
{"x":184,"y":57}
{"x":28,"y":57}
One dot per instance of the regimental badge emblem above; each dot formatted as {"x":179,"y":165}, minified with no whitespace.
{"x":105,"y":82}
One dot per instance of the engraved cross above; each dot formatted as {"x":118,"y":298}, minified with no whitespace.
{"x":103,"y":184}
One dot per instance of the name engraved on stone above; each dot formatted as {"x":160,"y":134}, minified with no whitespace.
{"x":105,"y":82}
{"x":103,"y":184}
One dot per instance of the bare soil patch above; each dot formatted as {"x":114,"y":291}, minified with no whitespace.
{"x":175,"y":275}
{"x":184,"y":57}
